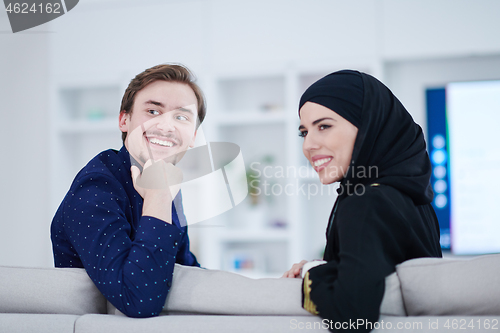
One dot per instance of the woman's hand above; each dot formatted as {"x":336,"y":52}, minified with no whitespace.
{"x":294,"y":272}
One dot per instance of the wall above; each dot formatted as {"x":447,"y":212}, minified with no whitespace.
{"x":409,"y":79}
{"x":437,"y":29}
{"x":24,"y":109}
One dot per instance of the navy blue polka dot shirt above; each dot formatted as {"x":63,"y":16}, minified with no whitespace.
{"x":99,"y":226}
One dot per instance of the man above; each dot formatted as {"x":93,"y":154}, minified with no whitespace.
{"x":117,"y":220}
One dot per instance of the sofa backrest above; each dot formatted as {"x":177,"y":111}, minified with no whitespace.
{"x":203,"y":291}
{"x":434,"y":286}
{"x":392,"y":303}
{"x":49,"y":290}
{"x":425,"y":286}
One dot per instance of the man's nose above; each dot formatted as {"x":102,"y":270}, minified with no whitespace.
{"x":165,"y":123}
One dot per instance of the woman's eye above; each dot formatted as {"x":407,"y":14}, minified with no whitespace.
{"x":154,"y":112}
{"x":323,"y":127}
{"x":302,"y":134}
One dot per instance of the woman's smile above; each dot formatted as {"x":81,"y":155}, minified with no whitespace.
{"x":319,"y":162}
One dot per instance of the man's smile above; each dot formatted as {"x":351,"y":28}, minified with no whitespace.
{"x":160,"y":140}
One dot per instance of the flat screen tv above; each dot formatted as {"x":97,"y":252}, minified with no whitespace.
{"x":463,"y":140}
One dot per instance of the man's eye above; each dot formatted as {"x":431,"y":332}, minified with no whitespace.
{"x":182,"y":117}
{"x":302,"y":134}
{"x":154,"y":112}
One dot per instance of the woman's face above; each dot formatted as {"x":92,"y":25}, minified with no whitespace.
{"x":328,"y":141}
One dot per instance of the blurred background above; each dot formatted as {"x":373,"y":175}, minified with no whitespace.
{"x":61,"y":86}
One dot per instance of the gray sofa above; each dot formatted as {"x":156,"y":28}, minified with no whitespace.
{"x":423,"y":295}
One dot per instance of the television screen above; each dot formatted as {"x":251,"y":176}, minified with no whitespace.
{"x":464,"y":147}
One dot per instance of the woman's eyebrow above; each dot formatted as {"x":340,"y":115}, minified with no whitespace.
{"x":321,"y":119}
{"x":317,"y":121}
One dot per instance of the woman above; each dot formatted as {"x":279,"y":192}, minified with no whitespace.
{"x":356,"y":132}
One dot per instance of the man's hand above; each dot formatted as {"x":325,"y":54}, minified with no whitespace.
{"x":158,"y":184}
{"x":295,"y":271}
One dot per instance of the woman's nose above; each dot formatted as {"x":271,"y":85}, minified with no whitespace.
{"x":310,"y":142}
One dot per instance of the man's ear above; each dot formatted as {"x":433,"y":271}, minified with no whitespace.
{"x":124,"y":120}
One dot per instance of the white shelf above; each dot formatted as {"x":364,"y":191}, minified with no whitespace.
{"x":88,"y":126}
{"x":238,"y":118}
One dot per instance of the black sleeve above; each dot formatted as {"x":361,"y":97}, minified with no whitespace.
{"x":370,"y":237}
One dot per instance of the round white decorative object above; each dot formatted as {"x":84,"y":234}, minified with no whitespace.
{"x":438,"y":142}
{"x":440,"y":201}
{"x":439,"y":172}
{"x":440,"y":186}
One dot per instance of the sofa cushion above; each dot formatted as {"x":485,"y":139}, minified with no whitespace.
{"x":49,"y":290}
{"x":39,"y":323}
{"x":434,"y":286}
{"x":197,"y":290}
{"x":93,"y":323}
{"x":392,"y":303}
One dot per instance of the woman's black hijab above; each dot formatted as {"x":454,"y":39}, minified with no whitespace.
{"x":390,"y":147}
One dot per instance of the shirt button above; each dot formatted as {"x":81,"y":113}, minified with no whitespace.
{"x":169,"y":284}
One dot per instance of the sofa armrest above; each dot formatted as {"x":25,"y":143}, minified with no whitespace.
{"x":435,"y":286}
{"x":49,"y":290}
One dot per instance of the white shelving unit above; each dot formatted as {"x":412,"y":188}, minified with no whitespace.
{"x":84,"y":123}
{"x":253,"y":238}
{"x":258,"y":111}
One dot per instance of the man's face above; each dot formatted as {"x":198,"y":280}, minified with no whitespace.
{"x":162,"y":123}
